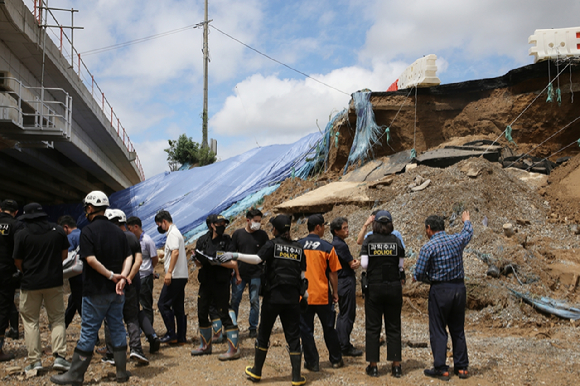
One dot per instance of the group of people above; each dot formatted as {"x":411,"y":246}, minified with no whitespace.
{"x":295,"y":279}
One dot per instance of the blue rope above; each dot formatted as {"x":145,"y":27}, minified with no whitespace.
{"x":550,"y":97}
{"x":508,"y":135}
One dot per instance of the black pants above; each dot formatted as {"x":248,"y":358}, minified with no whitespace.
{"x":215,"y":294}
{"x":447,"y":309}
{"x":144,"y":321}
{"x":146,"y":296}
{"x":171,"y":303}
{"x":6,"y":305}
{"x":290,"y":319}
{"x":347,"y":307}
{"x":130,"y":316}
{"x":326,"y":314}
{"x":383,"y":300}
{"x":75,"y":299}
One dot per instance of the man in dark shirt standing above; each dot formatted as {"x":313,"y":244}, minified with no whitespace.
{"x":8,"y":227}
{"x":39,"y":250}
{"x":249,"y":240}
{"x":75,"y":299}
{"x":107,"y":263}
{"x":346,"y":286}
{"x":131,"y":306}
{"x":440,"y":263}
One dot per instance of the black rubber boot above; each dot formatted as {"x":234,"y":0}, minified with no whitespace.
{"x":254,"y":373}
{"x":120,"y":355}
{"x":76,"y":374}
{"x":295,"y":360}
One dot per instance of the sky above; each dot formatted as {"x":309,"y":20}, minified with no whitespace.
{"x":156,"y":86}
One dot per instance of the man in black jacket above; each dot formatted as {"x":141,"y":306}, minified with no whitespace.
{"x":39,"y":250}
{"x":8,"y":273}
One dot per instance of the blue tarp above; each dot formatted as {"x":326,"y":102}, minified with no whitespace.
{"x":550,"y":306}
{"x":190,"y":195}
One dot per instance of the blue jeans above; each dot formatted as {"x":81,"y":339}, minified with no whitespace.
{"x":238,"y":290}
{"x":95,"y":309}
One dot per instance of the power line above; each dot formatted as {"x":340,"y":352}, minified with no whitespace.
{"x":277,"y":61}
{"x":140,"y":40}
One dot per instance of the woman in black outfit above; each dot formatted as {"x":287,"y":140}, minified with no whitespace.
{"x":382,"y":256}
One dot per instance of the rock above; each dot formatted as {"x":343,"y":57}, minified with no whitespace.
{"x":13,"y":370}
{"x":508,"y":229}
{"x":410,"y":167}
{"x":422,"y":186}
{"x":575,"y":229}
{"x":522,"y":222}
{"x":31,"y":373}
{"x":418,"y":180}
{"x":493,"y":271}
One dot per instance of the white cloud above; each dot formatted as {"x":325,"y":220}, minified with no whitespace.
{"x":273,"y":110}
{"x":475,"y":29}
{"x":152,"y":157}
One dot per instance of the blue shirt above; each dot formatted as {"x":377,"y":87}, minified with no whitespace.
{"x":394,"y":233}
{"x":441,"y":259}
{"x":73,"y":239}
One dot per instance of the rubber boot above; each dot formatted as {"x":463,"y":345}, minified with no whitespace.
{"x":218,"y":336}
{"x":232,"y":314}
{"x":205,"y":346}
{"x":76,"y":374}
{"x":4,"y":357}
{"x":233,"y":347}
{"x":295,"y":360}
{"x":181,"y":329}
{"x":254,"y":373}
{"x":120,"y":355}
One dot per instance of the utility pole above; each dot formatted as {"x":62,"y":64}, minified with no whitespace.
{"x":205,"y":65}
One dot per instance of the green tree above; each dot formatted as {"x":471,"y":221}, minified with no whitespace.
{"x":185,"y":150}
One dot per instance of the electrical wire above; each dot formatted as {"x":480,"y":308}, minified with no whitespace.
{"x":546,"y":140}
{"x":277,"y":61}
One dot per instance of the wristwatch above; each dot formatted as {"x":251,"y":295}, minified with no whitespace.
{"x":111,"y":277}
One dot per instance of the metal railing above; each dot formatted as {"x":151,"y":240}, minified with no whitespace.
{"x":88,"y":80}
{"x":44,"y":117}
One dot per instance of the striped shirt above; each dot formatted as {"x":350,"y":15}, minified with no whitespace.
{"x":441,"y":259}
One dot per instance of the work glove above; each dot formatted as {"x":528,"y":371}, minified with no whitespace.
{"x":227,"y":256}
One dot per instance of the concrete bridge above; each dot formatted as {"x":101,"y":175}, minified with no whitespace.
{"x":59,"y":136}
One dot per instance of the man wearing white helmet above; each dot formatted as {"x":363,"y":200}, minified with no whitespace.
{"x":131,"y":307}
{"x":108,"y":259}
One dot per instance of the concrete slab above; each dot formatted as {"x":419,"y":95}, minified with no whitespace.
{"x":394,"y":164}
{"x":442,"y":158}
{"x":324,"y":198}
{"x":361,"y":174}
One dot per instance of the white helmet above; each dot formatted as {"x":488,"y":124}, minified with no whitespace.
{"x":96,"y":198}
{"x":118,"y":214}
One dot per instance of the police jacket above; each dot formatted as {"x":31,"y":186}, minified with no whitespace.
{"x":212,"y":247}
{"x":284,"y":260}
{"x":384,"y":252}
{"x":8,"y":227}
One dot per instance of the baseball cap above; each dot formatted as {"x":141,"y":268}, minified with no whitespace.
{"x":9,"y":205}
{"x":215,"y":218}
{"x":281,"y":223}
{"x":32,"y":211}
{"x":383,"y":216}
{"x":315,"y":219}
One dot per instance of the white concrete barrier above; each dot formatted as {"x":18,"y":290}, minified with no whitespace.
{"x":422,"y":73}
{"x":555,"y":43}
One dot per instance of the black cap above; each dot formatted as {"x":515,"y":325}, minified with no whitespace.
{"x":314,"y":220}
{"x":281,"y":223}
{"x":9,"y":205}
{"x":32,"y":211}
{"x":215,"y":218}
{"x":383,"y":216}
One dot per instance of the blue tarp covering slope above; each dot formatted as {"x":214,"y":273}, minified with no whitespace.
{"x":191,"y":195}
{"x":550,"y":306}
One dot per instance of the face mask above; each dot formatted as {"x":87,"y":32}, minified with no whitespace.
{"x":161,"y":230}
{"x":255,"y":226}
{"x":220,"y":229}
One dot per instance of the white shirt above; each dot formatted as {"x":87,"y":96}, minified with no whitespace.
{"x":175,"y":242}
{"x":148,"y":250}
